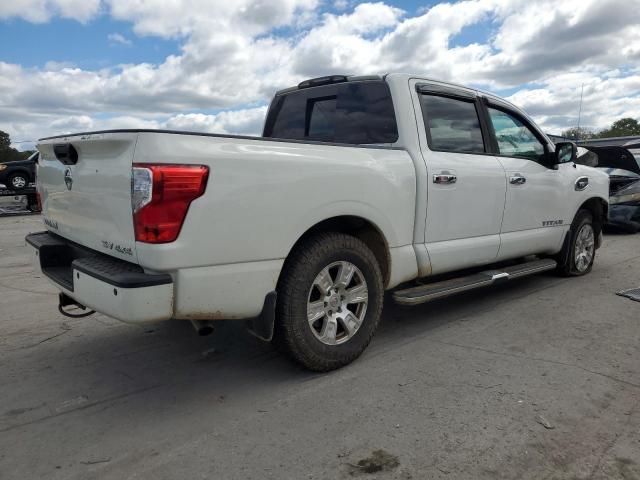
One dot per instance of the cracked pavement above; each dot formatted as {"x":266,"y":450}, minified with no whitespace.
{"x":453,"y":389}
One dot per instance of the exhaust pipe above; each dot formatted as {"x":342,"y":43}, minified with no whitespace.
{"x":203,"y":327}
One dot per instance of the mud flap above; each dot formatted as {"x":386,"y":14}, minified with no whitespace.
{"x":563,"y":258}
{"x":599,"y":239}
{"x":262,"y":325}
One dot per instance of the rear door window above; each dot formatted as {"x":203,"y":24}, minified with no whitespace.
{"x":452,"y":124}
{"x":350,"y":112}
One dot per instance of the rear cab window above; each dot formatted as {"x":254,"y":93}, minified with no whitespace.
{"x":357,"y":112}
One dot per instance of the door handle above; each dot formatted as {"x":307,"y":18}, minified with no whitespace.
{"x":444,"y":178}
{"x":517,"y":180}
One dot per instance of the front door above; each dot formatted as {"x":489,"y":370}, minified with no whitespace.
{"x":466,"y":184}
{"x":534,"y":219}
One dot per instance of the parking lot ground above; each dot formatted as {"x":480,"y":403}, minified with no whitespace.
{"x":534,"y":379}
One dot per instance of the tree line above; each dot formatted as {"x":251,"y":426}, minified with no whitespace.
{"x":9,"y":154}
{"x":624,"y":127}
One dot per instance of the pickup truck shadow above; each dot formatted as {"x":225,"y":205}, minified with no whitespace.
{"x":102,"y":370}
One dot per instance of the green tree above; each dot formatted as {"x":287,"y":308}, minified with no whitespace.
{"x":5,"y":141}
{"x":578,"y":133}
{"x":8,"y":154}
{"x":621,"y":128}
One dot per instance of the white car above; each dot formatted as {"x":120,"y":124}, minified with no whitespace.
{"x":358,"y":185}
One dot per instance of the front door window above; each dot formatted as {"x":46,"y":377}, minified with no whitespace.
{"x":514,"y":138}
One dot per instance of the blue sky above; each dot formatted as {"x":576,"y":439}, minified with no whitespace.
{"x":69,"y":65}
{"x":85,"y":45}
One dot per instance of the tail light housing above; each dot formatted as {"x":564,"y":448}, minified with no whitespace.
{"x":160,"y":198}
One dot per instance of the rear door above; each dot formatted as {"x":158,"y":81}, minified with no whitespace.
{"x":88,"y":199}
{"x":466,"y":183}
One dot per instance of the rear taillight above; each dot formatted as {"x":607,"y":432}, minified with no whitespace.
{"x":160,"y":198}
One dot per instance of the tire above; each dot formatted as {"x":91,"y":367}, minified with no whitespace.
{"x":18,"y":181}
{"x":578,"y":254}
{"x":339,"y":331}
{"x":32,"y":203}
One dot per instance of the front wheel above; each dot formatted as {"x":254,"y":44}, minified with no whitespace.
{"x":329,"y":301}
{"x":579,"y":253}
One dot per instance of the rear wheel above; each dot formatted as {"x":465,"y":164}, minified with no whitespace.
{"x":18,"y":181}
{"x":329,"y":301}
{"x":579,"y":253}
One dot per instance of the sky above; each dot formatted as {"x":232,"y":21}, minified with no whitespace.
{"x":213,"y":65}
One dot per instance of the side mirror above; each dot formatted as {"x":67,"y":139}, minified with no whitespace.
{"x":565,"y":152}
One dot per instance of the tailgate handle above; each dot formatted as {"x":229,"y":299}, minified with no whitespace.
{"x":66,"y":153}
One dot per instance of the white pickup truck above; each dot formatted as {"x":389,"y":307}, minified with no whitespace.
{"x":358,"y":185}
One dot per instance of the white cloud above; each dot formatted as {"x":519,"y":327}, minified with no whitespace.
{"x":39,"y":11}
{"x":239,"y":122}
{"x":118,"y":39}
{"x":606,"y":98}
{"x":345,"y":43}
{"x":231,"y":59}
{"x":216,"y":18}
{"x":53,"y":66}
{"x":73,"y":123}
{"x":340,"y":4}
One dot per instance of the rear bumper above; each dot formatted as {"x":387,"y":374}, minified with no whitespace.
{"x":116,"y":288}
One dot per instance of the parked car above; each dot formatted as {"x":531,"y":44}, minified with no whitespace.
{"x":358,"y":185}
{"x":19,"y":174}
{"x":623,"y":168}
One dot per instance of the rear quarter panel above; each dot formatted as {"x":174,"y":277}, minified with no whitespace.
{"x":263,"y":195}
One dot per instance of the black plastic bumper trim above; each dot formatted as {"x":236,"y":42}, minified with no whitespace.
{"x":59,"y":257}
{"x":118,"y":274}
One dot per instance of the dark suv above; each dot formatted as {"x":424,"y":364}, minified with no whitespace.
{"x":18,"y":175}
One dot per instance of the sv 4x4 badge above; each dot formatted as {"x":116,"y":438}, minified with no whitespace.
{"x":118,"y":248}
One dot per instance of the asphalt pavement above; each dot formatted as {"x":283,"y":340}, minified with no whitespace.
{"x":534,"y":379}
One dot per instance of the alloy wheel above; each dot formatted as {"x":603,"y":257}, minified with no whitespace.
{"x":585,"y":248}
{"x":337,"y":303}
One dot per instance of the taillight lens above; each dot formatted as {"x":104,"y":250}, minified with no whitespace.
{"x":160,"y":198}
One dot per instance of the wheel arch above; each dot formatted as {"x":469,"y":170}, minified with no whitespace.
{"x":599,"y":208}
{"x":359,"y":227}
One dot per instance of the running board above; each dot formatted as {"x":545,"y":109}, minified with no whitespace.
{"x":432,"y":291}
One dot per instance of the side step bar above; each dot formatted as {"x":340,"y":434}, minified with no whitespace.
{"x":432,"y":291}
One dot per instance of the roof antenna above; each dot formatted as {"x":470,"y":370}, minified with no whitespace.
{"x":580,"y":113}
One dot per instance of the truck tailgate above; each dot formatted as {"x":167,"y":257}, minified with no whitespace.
{"x":89,"y":202}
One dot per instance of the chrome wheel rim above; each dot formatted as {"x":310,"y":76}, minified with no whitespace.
{"x":585,"y":248}
{"x":18,"y":182}
{"x":337,"y":303}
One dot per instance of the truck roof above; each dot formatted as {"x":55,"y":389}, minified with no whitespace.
{"x":341,"y":78}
